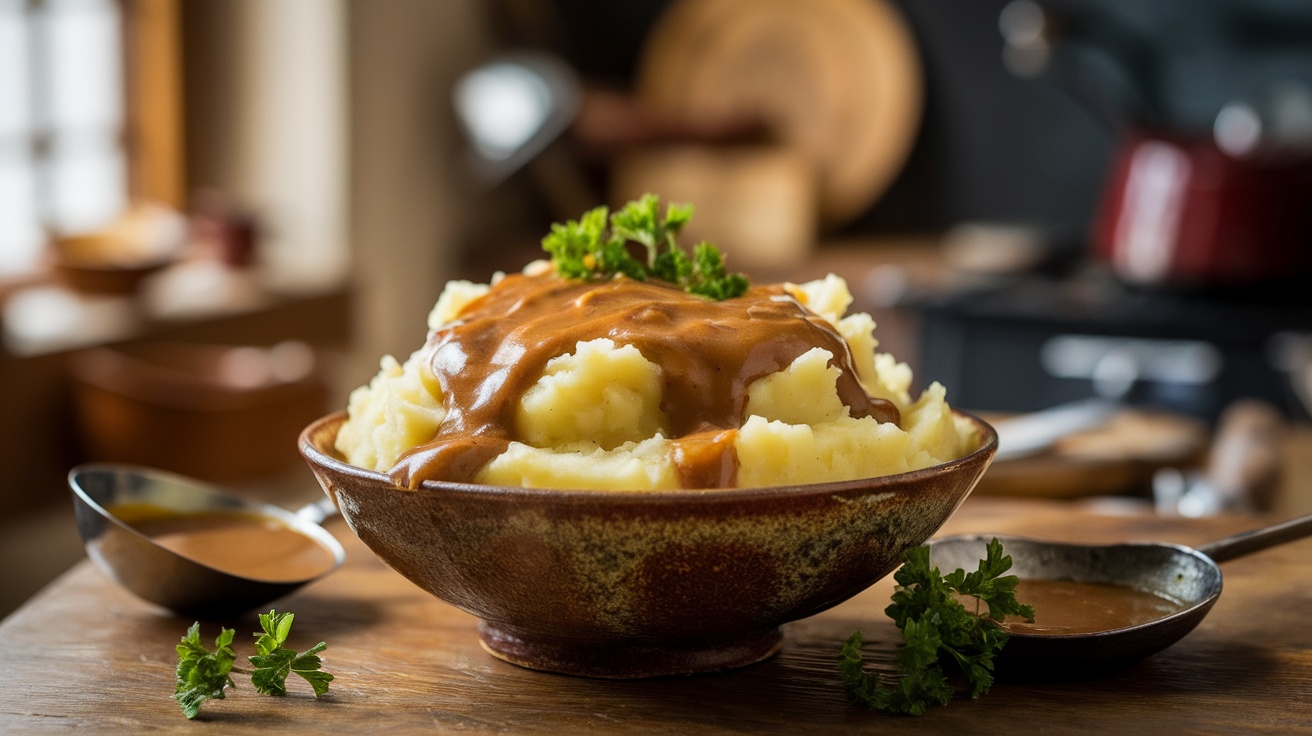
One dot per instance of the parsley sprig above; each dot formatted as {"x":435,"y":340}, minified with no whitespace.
{"x":938,"y":630}
{"x":596,"y":246}
{"x":205,"y":675}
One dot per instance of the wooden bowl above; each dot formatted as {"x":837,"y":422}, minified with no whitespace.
{"x":626,"y":584}
{"x":106,"y":280}
{"x":94,"y":264}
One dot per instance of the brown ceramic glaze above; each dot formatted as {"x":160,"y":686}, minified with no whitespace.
{"x":642,"y":583}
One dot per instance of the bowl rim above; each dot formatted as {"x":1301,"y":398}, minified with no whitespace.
{"x":982,"y":455}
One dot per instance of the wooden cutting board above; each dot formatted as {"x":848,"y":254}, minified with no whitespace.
{"x":839,"y":80}
{"x":1116,"y":458}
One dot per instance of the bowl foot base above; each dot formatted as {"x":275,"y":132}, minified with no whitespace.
{"x":627,"y":661}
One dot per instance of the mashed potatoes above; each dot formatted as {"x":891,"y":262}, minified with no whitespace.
{"x":601,"y":412}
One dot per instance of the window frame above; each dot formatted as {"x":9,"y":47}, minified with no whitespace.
{"x":150,"y":131}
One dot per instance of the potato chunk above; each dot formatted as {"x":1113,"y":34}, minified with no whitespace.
{"x":399,"y":409}
{"x":806,"y":392}
{"x":635,"y":466}
{"x":777,"y":453}
{"x":599,"y":396}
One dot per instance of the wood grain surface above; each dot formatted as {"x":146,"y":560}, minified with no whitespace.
{"x":85,"y":655}
{"x":839,"y":80}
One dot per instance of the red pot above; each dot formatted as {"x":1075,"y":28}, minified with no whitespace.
{"x":1179,"y":211}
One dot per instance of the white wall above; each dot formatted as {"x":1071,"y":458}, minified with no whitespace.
{"x":296,"y":134}
{"x":267,"y":107}
{"x":409,"y":206}
{"x":333,"y":119}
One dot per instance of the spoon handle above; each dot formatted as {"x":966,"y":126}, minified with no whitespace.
{"x":319,"y":511}
{"x":1254,"y":540}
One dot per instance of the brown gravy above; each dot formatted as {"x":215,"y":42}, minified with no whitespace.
{"x":1068,"y":607}
{"x":708,"y":353}
{"x":239,"y":543}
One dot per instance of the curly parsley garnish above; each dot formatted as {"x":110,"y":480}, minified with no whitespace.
{"x":204,"y":675}
{"x":937,"y":630}
{"x":596,"y":246}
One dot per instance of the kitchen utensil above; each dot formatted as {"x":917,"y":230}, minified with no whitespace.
{"x":1028,"y":434}
{"x":626,"y":584}
{"x":1113,"y":374}
{"x":1189,"y":577}
{"x":512,"y":108}
{"x":1290,"y":353}
{"x":1119,"y":457}
{"x":161,"y":575}
{"x":1242,"y":470}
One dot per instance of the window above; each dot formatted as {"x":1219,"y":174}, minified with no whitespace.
{"x":63,"y":113}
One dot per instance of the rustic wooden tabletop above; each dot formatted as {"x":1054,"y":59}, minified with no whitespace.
{"x":84,"y":654}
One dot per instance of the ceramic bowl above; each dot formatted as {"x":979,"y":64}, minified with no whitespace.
{"x":639,"y":583}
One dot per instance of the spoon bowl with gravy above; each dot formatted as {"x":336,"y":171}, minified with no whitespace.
{"x":193,"y":548}
{"x":1099,"y":607}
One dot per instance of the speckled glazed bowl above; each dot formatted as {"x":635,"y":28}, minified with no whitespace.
{"x":642,"y":583}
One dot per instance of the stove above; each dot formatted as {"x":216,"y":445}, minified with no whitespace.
{"x":1029,"y":342}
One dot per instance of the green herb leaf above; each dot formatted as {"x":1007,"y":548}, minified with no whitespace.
{"x":273,"y":662}
{"x":938,"y":630}
{"x":585,"y":249}
{"x":204,"y":675}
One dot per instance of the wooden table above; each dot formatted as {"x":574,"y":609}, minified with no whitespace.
{"x":84,"y":654}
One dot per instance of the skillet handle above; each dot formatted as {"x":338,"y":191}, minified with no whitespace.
{"x":1255,"y":540}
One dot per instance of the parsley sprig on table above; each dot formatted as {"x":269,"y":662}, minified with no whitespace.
{"x":596,"y":246}
{"x":205,"y":675}
{"x":938,"y":630}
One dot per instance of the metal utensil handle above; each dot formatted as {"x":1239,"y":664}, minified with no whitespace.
{"x":1030,"y":433}
{"x":1255,"y":540}
{"x":318,"y":512}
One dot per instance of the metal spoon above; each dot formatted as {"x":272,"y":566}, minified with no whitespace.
{"x":1183,"y":574}
{"x":162,"y":576}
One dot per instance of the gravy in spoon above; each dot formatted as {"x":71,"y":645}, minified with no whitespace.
{"x":1070,"y":607}
{"x":240,"y":543}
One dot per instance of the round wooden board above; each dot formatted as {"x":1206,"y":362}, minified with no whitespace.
{"x":839,"y":79}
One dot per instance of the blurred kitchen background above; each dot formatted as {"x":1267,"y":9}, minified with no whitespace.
{"x":216,"y":215}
